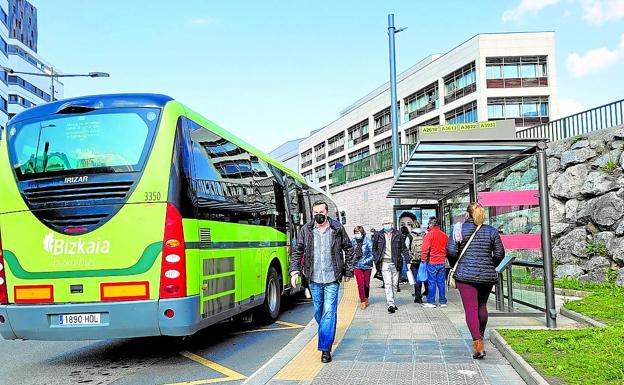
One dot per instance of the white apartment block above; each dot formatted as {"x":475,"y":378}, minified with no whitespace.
{"x":18,"y":51}
{"x":488,"y":77}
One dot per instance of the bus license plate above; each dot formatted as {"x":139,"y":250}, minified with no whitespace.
{"x":79,"y":319}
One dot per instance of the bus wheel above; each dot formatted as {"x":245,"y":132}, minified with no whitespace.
{"x":269,"y":311}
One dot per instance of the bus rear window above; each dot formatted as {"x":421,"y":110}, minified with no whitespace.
{"x":112,"y":140}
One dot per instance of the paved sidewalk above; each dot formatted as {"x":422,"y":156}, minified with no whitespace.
{"x":412,"y":346}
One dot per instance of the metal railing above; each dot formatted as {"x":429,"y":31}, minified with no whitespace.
{"x":608,"y":115}
{"x":373,"y":164}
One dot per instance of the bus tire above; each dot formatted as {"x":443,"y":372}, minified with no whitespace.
{"x":268,"y":312}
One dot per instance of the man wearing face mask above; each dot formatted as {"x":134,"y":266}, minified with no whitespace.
{"x":389,"y":249}
{"x":324,"y":255}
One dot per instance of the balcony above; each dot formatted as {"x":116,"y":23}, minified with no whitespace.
{"x":335,"y":150}
{"x":368,"y":166}
{"x":423,"y":110}
{"x":382,"y":129}
{"x":358,"y":140}
{"x":460,"y":93}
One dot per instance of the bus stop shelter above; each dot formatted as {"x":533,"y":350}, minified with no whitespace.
{"x":440,"y":169}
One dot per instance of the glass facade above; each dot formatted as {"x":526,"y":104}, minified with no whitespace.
{"x":464,"y":114}
{"x":359,"y":154}
{"x":517,"y":71}
{"x":526,"y":110}
{"x":357,"y":133}
{"x":460,"y":83}
{"x":421,"y":102}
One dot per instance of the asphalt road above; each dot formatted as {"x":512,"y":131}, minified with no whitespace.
{"x":226,"y":351}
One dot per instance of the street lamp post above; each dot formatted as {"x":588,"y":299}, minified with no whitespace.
{"x":394,"y":114}
{"x":52,"y":74}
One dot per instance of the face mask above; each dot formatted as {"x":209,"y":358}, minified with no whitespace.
{"x":358,"y":236}
{"x":319,"y":218}
{"x":387,"y":227}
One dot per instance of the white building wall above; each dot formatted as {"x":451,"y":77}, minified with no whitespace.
{"x":432,"y":69}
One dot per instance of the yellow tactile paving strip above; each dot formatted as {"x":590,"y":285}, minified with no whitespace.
{"x":307,"y":364}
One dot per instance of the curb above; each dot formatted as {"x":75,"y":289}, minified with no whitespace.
{"x":578,"y":317}
{"x":272,"y":367}
{"x":267,"y":371}
{"x":526,"y":371}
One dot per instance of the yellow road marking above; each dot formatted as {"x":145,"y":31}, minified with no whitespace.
{"x":287,"y":326}
{"x":230,"y":375}
{"x":213,"y":365}
{"x":307,"y":364}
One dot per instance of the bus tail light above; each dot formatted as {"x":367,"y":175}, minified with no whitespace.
{"x":173,"y":265}
{"x":4,"y":297}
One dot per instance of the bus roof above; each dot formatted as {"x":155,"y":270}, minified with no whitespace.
{"x":136,"y":100}
{"x":94,"y":101}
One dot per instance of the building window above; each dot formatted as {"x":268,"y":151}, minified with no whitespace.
{"x":4,"y":105}
{"x":321,"y":173}
{"x":4,"y":17}
{"x":319,"y":152}
{"x":357,"y":133}
{"x":16,"y":80}
{"x":464,"y":114}
{"x":4,"y":47}
{"x":516,"y":71}
{"x":336,"y":163}
{"x":526,"y":110}
{"x":359,"y":154}
{"x":308,"y":176}
{"x":411,"y":135}
{"x":383,"y":120}
{"x":383,"y":145}
{"x":335,"y":144}
{"x":421,"y":102}
{"x":460,"y":83}
{"x":306,"y":158}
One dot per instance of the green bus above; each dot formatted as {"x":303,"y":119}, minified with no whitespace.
{"x":130,"y":215}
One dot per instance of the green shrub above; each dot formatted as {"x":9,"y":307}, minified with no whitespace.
{"x":609,"y":167}
{"x":596,"y":249}
{"x":577,"y":138}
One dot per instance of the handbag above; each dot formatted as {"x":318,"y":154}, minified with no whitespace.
{"x":451,"y":277}
{"x":422,"y":275}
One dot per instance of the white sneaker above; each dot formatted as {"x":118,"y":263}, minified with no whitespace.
{"x":429,"y":305}
{"x":444,"y":305}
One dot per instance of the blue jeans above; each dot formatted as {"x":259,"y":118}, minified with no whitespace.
{"x":325,"y":300}
{"x":437,"y":277}
{"x":404,"y":270}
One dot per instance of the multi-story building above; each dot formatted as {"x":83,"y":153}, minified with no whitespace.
{"x":288,"y":153}
{"x":18,"y":46}
{"x":488,"y":77}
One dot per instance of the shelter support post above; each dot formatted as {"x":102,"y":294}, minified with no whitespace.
{"x":549,"y":278}
{"x":474,"y":191}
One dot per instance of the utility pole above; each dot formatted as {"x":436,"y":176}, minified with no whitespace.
{"x":394,"y":113}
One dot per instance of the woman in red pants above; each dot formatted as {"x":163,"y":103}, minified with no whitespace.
{"x":475,"y":273}
{"x":363,"y":266}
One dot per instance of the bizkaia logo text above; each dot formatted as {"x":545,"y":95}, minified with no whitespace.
{"x":56,"y":246}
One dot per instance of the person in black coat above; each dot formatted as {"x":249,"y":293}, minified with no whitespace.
{"x":475,"y":274}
